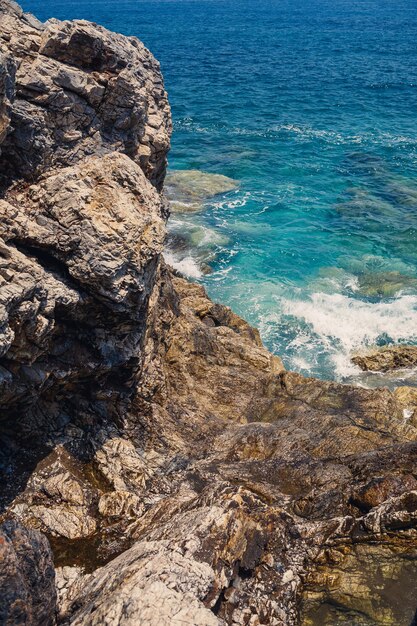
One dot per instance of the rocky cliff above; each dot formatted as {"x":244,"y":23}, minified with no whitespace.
{"x":179,"y":473}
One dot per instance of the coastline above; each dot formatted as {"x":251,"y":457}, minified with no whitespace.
{"x":160,"y":464}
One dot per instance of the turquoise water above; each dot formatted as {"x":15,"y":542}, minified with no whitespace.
{"x":311,"y":105}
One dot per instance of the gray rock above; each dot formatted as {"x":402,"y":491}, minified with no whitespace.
{"x":80,"y":251}
{"x":7,"y":72}
{"x":150,"y":584}
{"x":80,"y":90}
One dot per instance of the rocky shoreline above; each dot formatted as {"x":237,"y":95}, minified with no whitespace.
{"x":159,"y":465}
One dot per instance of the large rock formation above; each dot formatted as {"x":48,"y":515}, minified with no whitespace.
{"x":181,"y":475}
{"x":77,"y":90}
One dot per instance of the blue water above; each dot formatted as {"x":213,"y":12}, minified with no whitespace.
{"x":312,"y":106}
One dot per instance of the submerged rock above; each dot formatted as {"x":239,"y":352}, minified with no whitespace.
{"x":387,"y":358}
{"x":365,"y":585}
{"x":385,"y":284}
{"x":191,"y":249}
{"x":188,"y":189}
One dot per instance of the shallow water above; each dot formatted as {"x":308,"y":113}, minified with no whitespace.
{"x":311,"y":105}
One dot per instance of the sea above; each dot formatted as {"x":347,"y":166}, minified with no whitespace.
{"x":310,"y":106}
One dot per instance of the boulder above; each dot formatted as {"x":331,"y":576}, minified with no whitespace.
{"x":387,"y":358}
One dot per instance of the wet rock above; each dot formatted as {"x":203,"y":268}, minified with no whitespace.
{"x":27,"y":578}
{"x":364,"y":585}
{"x":387,"y":358}
{"x":190,"y":249}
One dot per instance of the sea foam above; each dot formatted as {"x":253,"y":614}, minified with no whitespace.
{"x":345,"y":325}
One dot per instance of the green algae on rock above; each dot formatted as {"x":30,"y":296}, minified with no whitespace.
{"x":386,"y":284}
{"x":188,"y":189}
{"x":363,"y":585}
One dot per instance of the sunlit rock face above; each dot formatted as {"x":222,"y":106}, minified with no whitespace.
{"x":180,"y":474}
{"x":79,"y":253}
{"x":79,"y":90}
{"x":387,"y":358}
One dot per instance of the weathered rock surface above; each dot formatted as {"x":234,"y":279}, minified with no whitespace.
{"x":78,"y":90}
{"x":181,"y":475}
{"x":27,"y":577}
{"x":387,"y":358}
{"x":79,"y":252}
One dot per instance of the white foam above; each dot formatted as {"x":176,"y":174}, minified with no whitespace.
{"x":186,"y":265}
{"x":345,"y":325}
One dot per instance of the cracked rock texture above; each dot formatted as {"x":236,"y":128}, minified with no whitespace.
{"x":179,"y":473}
{"x":77,"y":89}
{"x":27,"y":580}
{"x":387,"y":358}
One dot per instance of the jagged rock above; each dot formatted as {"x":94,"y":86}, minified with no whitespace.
{"x":27,"y":579}
{"x":65,"y":577}
{"x":81,"y":90}
{"x":7,"y":71}
{"x":120,"y":504}
{"x":180,"y":473}
{"x":57,"y":499}
{"x":80,"y":243}
{"x":387,"y":358}
{"x":151,"y":581}
{"x":378,"y":490}
{"x":407,"y":397}
{"x":121,"y":463}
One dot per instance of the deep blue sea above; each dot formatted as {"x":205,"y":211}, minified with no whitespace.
{"x":312,"y":106}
